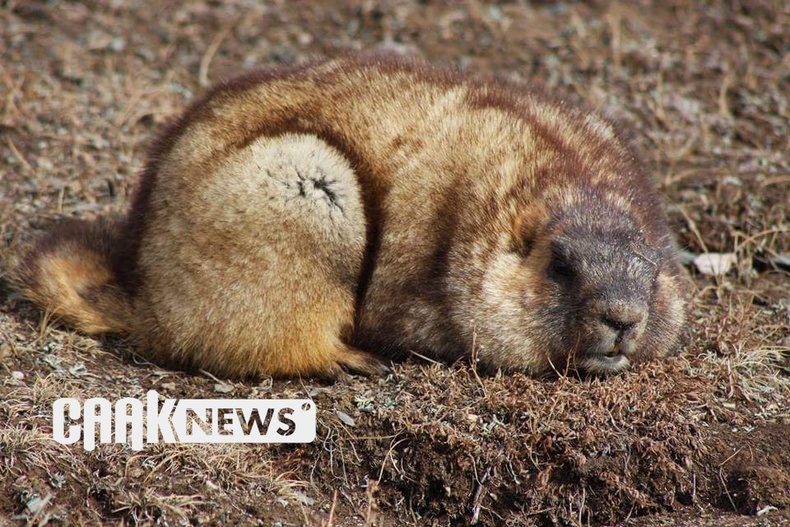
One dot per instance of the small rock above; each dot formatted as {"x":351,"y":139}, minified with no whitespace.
{"x":345,"y":418}
{"x":37,"y":503}
{"x":732,"y":180}
{"x":223,"y":388}
{"x":303,"y":498}
{"x":117,"y":44}
{"x":18,"y":375}
{"x":715,"y":264}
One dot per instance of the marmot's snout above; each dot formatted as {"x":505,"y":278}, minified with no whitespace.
{"x":623,"y":320}
{"x":615,"y":327}
{"x":611,"y":288}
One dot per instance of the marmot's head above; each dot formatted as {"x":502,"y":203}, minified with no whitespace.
{"x":586,"y":286}
{"x":603,"y":286}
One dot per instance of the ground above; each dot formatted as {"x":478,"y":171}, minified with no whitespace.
{"x":702,"y":439}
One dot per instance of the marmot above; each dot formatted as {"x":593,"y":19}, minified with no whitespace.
{"x":293,"y":217}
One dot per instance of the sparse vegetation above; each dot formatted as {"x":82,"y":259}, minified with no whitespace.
{"x":701,"y":439}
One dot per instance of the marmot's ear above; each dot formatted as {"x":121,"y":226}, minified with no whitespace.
{"x":524,"y":228}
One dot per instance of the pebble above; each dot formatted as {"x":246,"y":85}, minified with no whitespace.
{"x":715,"y":264}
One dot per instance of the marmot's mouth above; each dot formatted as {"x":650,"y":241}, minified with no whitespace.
{"x":604,"y":364}
{"x":608,"y":354}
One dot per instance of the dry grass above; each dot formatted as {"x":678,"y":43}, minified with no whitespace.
{"x":702,"y":439}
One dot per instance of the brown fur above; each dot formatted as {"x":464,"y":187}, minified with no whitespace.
{"x":289,"y":215}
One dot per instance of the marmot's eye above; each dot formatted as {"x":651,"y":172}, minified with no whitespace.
{"x":560,"y":267}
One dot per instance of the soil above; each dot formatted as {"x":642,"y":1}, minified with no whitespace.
{"x":701,"y":439}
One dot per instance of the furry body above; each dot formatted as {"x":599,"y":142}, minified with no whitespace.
{"x":289,"y":215}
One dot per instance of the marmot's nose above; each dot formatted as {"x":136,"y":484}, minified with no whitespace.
{"x":622,"y":316}
{"x":619,"y":325}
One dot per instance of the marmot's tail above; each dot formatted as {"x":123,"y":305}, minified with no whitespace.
{"x":72,"y":273}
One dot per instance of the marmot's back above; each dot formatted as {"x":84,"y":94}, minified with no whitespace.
{"x":289,"y":215}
